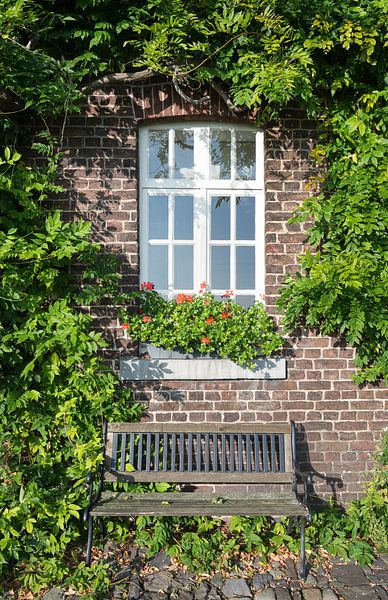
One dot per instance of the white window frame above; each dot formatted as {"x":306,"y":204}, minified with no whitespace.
{"x":201,"y":186}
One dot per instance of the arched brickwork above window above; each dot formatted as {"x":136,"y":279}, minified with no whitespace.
{"x":156,"y":98}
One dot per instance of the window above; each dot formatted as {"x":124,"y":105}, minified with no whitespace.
{"x":202,"y":209}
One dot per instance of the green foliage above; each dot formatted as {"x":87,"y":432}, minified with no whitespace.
{"x":54,"y":391}
{"x":205,"y":544}
{"x":200,"y":323}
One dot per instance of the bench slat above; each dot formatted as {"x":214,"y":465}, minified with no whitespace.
{"x":188,"y":504}
{"x":199,"y":427}
{"x":202,"y":477}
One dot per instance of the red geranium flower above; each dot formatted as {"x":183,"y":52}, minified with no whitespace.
{"x":146,"y":319}
{"x":225,"y":315}
{"x":125,"y":325}
{"x":209,"y":321}
{"x":147,"y":285}
{"x":180,"y":298}
{"x":227,"y":294}
{"x":205,"y":340}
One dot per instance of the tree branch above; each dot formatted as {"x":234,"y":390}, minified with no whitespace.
{"x":118,"y":78}
{"x":235,"y":110}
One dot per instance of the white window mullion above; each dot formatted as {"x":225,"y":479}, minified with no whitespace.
{"x":233,"y":278}
{"x":170,"y":243}
{"x":171,"y":153}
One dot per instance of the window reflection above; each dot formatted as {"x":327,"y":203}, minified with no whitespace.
{"x":158,"y":217}
{"x":184,"y":154}
{"x":220,"y":218}
{"x":220,"y":267}
{"x":158,"y":154}
{"x":245,"y":218}
{"x":220,"y":153}
{"x":245,"y":155}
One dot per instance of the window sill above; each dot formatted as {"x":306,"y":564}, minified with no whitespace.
{"x":171,"y":365}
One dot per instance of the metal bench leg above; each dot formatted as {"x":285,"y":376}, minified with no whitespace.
{"x":303,"y":573}
{"x":89,"y":542}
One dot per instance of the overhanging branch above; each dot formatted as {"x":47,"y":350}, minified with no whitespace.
{"x":118,"y":78}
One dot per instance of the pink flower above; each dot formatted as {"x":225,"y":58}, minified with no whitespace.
{"x":227,"y":294}
{"x":146,"y":319}
{"x":205,"y":340}
{"x":147,"y":285}
{"x":180,"y":298}
{"x":209,"y":321}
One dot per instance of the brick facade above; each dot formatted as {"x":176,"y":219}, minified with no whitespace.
{"x":339,"y":423}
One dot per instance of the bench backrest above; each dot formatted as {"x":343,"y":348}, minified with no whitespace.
{"x":198,"y":453}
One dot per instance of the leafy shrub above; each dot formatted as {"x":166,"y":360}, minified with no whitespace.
{"x":54,"y":390}
{"x":200,"y":323}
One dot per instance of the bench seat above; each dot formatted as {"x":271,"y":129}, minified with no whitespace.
{"x":186,"y":504}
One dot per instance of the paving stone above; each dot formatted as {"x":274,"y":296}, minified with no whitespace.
{"x":310,"y":581}
{"x":384,"y":558}
{"x":183,"y":595}
{"x":321,"y":577}
{"x":359,"y":592}
{"x":213,"y":595}
{"x":329,"y":595}
{"x":277,"y":573}
{"x":266,"y":594}
{"x":236,"y":588}
{"x":202,"y":591}
{"x":158,"y":582}
{"x":182,"y":581}
{"x":154,"y":596}
{"x":281,"y":583}
{"x":260,"y":580}
{"x":349,"y":575}
{"x":55,"y":594}
{"x":282,"y":594}
{"x":160,"y":560}
{"x":296,"y":596}
{"x":291,"y":570}
{"x":381,"y":593}
{"x":217,"y":580}
{"x":380,"y":562}
{"x":134,"y":589}
{"x":312,"y":594}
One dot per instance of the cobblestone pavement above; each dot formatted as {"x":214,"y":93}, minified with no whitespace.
{"x":158,"y":579}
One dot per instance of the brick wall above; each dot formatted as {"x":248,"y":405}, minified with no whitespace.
{"x":339,"y":423}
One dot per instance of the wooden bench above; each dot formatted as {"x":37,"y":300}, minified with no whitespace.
{"x":199,"y":454}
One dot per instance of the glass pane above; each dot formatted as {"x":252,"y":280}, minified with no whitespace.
{"x":184,"y":154}
{"x":183,"y":267}
{"x":220,"y":154}
{"x":220,"y":267}
{"x":220,"y":218}
{"x":245,"y":301}
{"x":158,"y":217}
{"x":158,"y":266}
{"x":158,"y":153}
{"x":245,"y":267}
{"x":245,"y":218}
{"x":245,"y":155}
{"x":183,"y":218}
